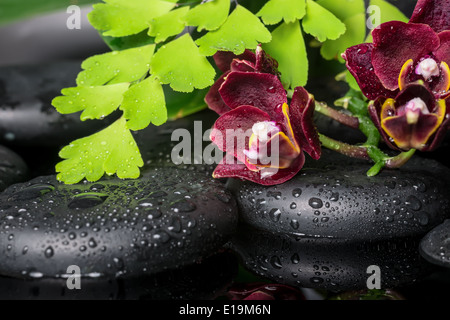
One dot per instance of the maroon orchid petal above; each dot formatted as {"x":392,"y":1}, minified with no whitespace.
{"x":263,"y":291}
{"x":443,"y":52}
{"x":416,"y":91}
{"x":265,"y":63}
{"x":359,"y":63}
{"x":440,"y":134}
{"x":261,"y":90}
{"x":213,"y":98}
{"x":301,"y":113}
{"x":242,"y":66}
{"x":395,"y":43}
{"x":399,"y":129}
{"x":435,"y":13}
{"x":237,"y":170}
{"x":223,"y":59}
{"x":277,"y":152}
{"x":375,"y":110}
{"x":232,"y":131}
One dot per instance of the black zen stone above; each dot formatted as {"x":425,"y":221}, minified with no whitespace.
{"x":327,"y":263}
{"x":435,"y":246}
{"x":12,"y":168}
{"x":165,"y":219}
{"x":333,"y":198}
{"x":193,"y":282}
{"x":27,"y":117}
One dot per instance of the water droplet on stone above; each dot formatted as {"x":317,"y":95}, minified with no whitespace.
{"x":296,"y":192}
{"x":92,"y":243}
{"x":413,"y":203}
{"x":183,"y":206}
{"x":49,"y":252}
{"x":275,"y":262}
{"x":87,"y":200}
{"x":32,"y":192}
{"x":315,"y":203}
{"x":275,"y":214}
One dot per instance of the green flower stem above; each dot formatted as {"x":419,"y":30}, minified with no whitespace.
{"x":399,"y":160}
{"x":348,"y":120}
{"x":344,"y":148}
{"x":381,"y":159}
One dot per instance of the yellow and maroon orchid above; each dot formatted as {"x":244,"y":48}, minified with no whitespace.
{"x":413,"y":120}
{"x":406,"y":53}
{"x":263,"y":137}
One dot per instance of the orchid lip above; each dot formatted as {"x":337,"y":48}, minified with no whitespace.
{"x":264,"y":130}
{"x":414,"y":108}
{"x":428,"y":68}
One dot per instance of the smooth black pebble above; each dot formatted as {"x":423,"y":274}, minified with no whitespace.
{"x":193,"y":282}
{"x":166,"y":219}
{"x":435,"y":246}
{"x":333,"y":198}
{"x":329,"y":264}
{"x":12,"y":168}
{"x":27,"y":117}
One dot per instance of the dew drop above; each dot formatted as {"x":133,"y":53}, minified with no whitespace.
{"x":275,"y":214}
{"x":315,"y":203}
{"x":87,"y":200}
{"x":49,"y":252}
{"x":275,"y":262}
{"x":296,"y":192}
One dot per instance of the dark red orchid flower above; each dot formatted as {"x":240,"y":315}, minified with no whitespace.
{"x":413,"y":120}
{"x":406,"y":53}
{"x":263,"y":137}
{"x":264,"y":291}
{"x":228,"y":62}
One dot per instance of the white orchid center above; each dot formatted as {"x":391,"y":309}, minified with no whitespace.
{"x":414,"y":108}
{"x":428,"y":68}
{"x":264,"y":130}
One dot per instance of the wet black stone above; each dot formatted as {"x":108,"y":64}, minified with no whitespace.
{"x":118,"y":229}
{"x":12,"y":168}
{"x":333,"y":198}
{"x":435,"y":246}
{"x":193,"y":282}
{"x":328,"y":264}
{"x":27,"y":117}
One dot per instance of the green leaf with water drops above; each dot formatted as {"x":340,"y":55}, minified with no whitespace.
{"x":121,"y":43}
{"x":321,"y":23}
{"x":343,"y":9}
{"x":209,"y":15}
{"x":242,"y":30}
{"x":115,"y":67}
{"x":380,"y":11}
{"x":288,"y":48}
{"x":111,"y":151}
{"x":144,"y":103}
{"x":180,"y":64}
{"x":355,"y":34}
{"x":119,"y":18}
{"x":96,"y":102}
{"x":288,"y":10}
{"x":168,"y":25}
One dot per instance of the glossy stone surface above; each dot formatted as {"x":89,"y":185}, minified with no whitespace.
{"x":329,"y":264}
{"x":27,"y":117}
{"x":333,"y":198}
{"x":435,"y":246}
{"x":12,"y":168}
{"x":192,"y":282}
{"x":165,"y":219}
